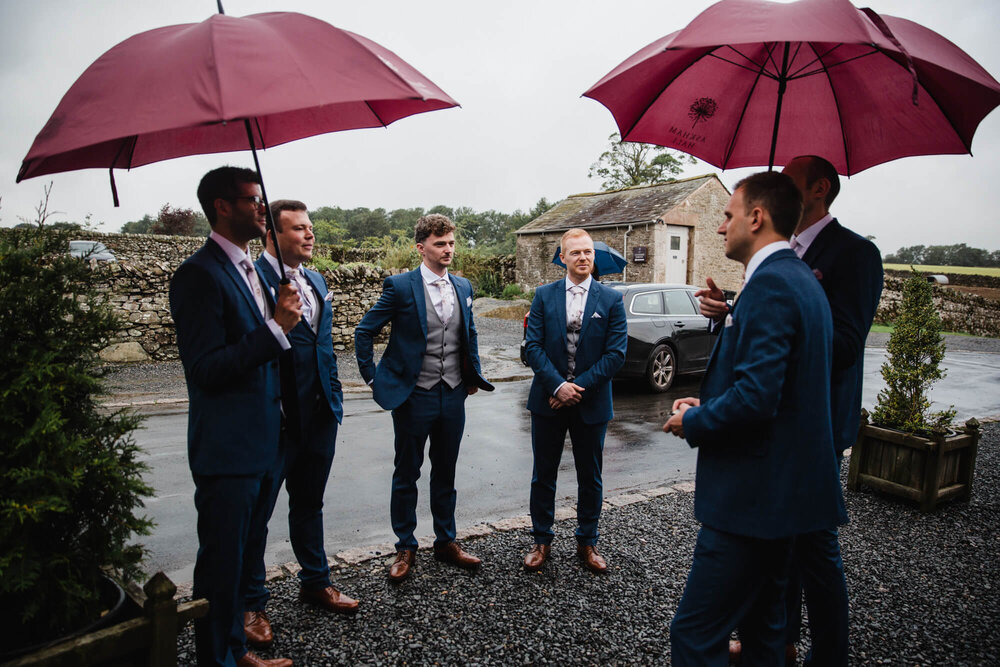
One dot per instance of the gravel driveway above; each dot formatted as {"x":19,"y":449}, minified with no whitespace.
{"x":924,"y":590}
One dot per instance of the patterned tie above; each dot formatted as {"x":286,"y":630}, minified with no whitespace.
{"x":447,"y":303}
{"x":305,"y":295}
{"x":573,"y":324}
{"x":254,"y":281}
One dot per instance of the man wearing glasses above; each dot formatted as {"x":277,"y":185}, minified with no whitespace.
{"x":230,"y":332}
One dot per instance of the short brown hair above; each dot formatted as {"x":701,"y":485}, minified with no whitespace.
{"x":433,"y":224}
{"x":285,"y":205}
{"x":777,"y":194}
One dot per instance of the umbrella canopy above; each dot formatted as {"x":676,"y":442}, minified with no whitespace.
{"x":606,"y":259}
{"x":176,"y":91}
{"x":752,"y":83}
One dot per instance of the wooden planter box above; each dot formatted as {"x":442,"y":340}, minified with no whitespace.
{"x":923,"y":469}
{"x":150,"y":639}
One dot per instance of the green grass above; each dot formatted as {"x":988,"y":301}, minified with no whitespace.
{"x":887,"y":328}
{"x":930,"y":268}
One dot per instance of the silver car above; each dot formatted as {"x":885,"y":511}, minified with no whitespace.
{"x":91,"y":250}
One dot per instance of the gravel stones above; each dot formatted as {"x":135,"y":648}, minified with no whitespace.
{"x":925,"y":590}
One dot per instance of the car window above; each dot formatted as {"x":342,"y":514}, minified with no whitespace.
{"x":679,"y":303}
{"x":647,"y":304}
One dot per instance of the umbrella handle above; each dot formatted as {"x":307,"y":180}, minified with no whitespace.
{"x":219,"y":3}
{"x":267,"y":204}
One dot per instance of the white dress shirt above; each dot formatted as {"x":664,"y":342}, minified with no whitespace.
{"x":430,"y":278}
{"x":236,"y":255}
{"x":306,"y":294}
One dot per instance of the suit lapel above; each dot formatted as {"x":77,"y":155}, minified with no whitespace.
{"x":593,"y":294}
{"x":419,"y":299}
{"x":821,"y":242}
{"x":239,"y":281}
{"x":460,"y":306}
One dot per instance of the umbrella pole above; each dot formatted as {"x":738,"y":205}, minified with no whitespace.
{"x":782,"y":84}
{"x":267,"y":204}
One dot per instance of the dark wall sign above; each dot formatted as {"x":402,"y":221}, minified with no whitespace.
{"x":639,"y":254}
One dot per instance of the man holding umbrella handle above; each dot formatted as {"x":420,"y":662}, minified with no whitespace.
{"x":230,"y":333}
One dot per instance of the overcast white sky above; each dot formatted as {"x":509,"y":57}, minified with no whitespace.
{"x":518,"y":69}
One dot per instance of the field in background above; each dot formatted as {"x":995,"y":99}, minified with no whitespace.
{"x":930,"y":268}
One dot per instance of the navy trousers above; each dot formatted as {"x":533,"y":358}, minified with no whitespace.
{"x":548,"y":437}
{"x":734,"y":582}
{"x":228,"y":507}
{"x":304,"y":472}
{"x":438,"y":414}
{"x":818,"y":571}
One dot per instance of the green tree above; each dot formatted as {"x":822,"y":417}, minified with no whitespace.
{"x":915,"y":351}
{"x":70,"y":473}
{"x":174,"y":222}
{"x":139,"y":226}
{"x":626,"y":164}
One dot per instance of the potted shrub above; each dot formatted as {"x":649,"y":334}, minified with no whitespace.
{"x":906,"y":450}
{"x":70,"y":478}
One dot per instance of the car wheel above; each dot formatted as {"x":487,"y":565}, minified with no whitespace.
{"x":661,"y":369}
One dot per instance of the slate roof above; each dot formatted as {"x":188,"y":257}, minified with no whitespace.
{"x":638,"y":204}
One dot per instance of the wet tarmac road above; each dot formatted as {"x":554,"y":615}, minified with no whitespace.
{"x":494,"y":467}
{"x":493,"y":476}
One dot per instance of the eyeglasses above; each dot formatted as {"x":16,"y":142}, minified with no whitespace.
{"x":256,"y":200}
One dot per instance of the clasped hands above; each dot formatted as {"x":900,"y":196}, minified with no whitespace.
{"x":568,"y":394}
{"x":675,"y":424}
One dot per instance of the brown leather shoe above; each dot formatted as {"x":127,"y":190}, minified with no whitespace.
{"x":330,"y":599}
{"x":251,"y":659}
{"x":452,"y":553}
{"x":592,"y":560}
{"x":736,"y":652}
{"x":536,"y":558}
{"x":401,"y":566}
{"x":257,"y":627}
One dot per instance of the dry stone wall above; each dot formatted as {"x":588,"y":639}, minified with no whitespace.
{"x":960,"y":312}
{"x":138,"y":286}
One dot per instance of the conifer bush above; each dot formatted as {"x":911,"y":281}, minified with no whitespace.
{"x":915,"y":351}
{"x":70,"y":477}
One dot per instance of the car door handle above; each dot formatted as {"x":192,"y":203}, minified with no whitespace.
{"x":679,"y":325}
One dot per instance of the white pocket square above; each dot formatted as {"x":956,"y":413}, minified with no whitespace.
{"x":273,"y":293}
{"x":729,"y":320}
{"x":468,"y":301}
{"x":596,"y":314}
{"x":328,"y":297}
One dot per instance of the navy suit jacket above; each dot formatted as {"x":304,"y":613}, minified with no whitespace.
{"x":600,"y":350}
{"x":404,"y":305}
{"x":849,"y":268}
{"x":316,"y":402}
{"x":230,"y":360}
{"x":766,"y":464}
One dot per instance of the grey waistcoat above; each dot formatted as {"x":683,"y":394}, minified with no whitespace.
{"x":442,"y":357}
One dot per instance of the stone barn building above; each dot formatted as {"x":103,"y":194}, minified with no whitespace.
{"x":667,"y":233}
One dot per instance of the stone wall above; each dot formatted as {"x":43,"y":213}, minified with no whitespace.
{"x":138,"y":286}
{"x":960,"y":312}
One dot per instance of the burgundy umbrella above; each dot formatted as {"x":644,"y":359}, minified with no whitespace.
{"x":750,"y":82}
{"x":225,"y":84}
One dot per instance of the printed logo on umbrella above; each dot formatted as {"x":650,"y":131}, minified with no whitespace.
{"x":701,"y":109}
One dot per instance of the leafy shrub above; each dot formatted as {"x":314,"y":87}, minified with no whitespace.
{"x":70,"y":479}
{"x":512,"y":291}
{"x":916,"y":348}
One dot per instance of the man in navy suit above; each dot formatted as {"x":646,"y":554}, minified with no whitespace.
{"x":849,"y":268}
{"x":767,"y":470}
{"x":575,"y":343}
{"x":230,"y":332}
{"x":429,"y":367}
{"x":313,"y":407}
